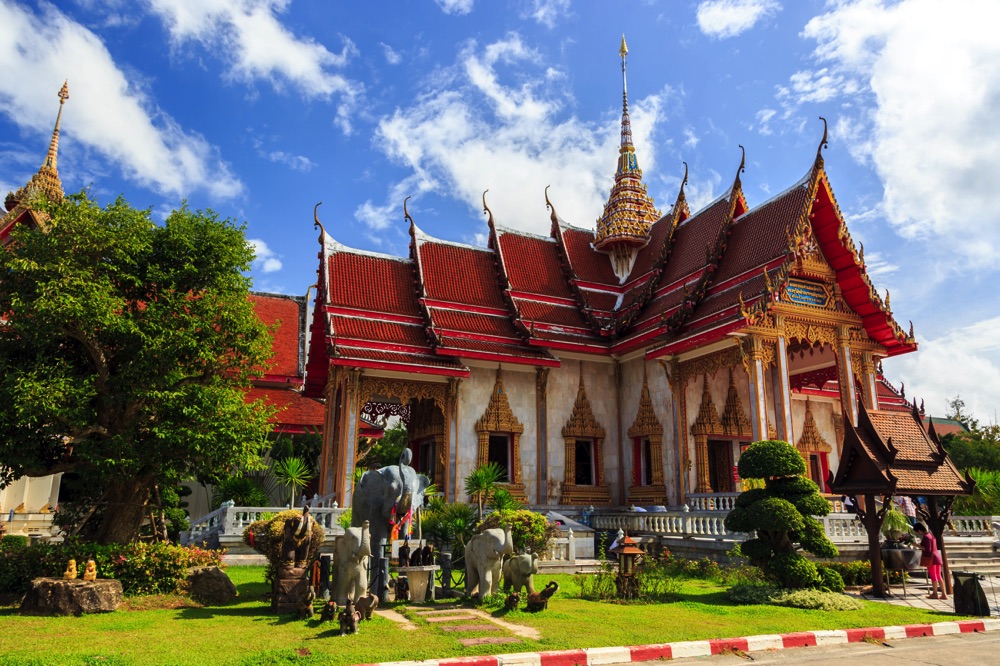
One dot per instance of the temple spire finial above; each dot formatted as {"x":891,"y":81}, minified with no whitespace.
{"x":316,"y":223}
{"x":823,"y":142}
{"x":52,"y":156}
{"x":486,"y":209}
{"x":406,"y":213}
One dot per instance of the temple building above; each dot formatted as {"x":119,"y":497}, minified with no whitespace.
{"x":627,"y":365}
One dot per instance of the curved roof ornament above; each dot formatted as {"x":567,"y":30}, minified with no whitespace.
{"x":824,"y":143}
{"x":406,"y":213}
{"x":550,"y":206}
{"x":685,"y":181}
{"x":486,"y":209}
{"x":743,"y":161}
{"x":317,"y":223}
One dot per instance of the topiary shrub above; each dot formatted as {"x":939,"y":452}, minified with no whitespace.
{"x":830,"y":580}
{"x":531,"y":531}
{"x":781,"y":514}
{"x":751,"y":593}
{"x":816,"y":600}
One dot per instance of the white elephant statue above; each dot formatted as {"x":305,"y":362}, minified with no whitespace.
{"x":350,"y":555}
{"x":483,"y":560}
{"x":517,"y":572}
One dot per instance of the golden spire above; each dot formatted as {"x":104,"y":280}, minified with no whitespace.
{"x":53,"y":154}
{"x":629,"y":211}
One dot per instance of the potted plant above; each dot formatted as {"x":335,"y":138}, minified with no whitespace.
{"x":897,"y":551}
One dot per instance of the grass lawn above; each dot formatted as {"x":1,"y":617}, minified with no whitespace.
{"x":173,"y":630}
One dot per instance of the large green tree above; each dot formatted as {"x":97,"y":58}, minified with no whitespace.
{"x":126,"y":349}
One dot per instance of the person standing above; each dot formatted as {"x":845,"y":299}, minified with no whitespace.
{"x":930,"y":557}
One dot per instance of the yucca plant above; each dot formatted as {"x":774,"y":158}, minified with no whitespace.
{"x":502,"y":500}
{"x":482,"y":482}
{"x":294,"y":473}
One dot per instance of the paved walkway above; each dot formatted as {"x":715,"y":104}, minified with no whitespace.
{"x":918,"y":589}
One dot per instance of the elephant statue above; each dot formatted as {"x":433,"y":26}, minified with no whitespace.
{"x":483,"y":558}
{"x":350,"y":555}
{"x":382,"y":498}
{"x":517,"y":572}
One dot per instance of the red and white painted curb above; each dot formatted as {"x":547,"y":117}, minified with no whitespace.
{"x":625,"y":655}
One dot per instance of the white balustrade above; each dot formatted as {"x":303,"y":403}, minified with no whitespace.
{"x":561,"y":549}
{"x":230,"y":521}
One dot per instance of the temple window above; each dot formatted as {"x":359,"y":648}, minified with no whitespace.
{"x":585,"y":462}
{"x":642,"y":467}
{"x":499,"y":453}
{"x":646,"y":434}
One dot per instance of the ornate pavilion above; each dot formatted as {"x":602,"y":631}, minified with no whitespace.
{"x":627,"y":365}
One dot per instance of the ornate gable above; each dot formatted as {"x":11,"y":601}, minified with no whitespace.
{"x":498,"y":416}
{"x":582,"y":422}
{"x":708,"y":421}
{"x":811,"y":441}
{"x":734,"y":420}
{"x":646,"y":424}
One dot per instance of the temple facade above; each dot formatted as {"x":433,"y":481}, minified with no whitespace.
{"x":629,"y":363}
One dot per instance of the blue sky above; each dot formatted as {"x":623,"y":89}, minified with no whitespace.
{"x":259,"y":109}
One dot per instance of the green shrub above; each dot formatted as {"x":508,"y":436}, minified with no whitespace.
{"x":859,"y":573}
{"x":268,"y":535}
{"x":793,"y":570}
{"x":142,"y":568}
{"x":747,"y":593}
{"x":830,"y":580}
{"x":12,"y":542}
{"x":816,"y":600}
{"x":531,"y":531}
{"x":770,"y":458}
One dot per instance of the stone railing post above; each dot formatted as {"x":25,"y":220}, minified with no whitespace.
{"x":571,"y":547}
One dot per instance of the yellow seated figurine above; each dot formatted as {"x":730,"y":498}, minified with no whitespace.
{"x":90,"y":573}
{"x":70,"y":573}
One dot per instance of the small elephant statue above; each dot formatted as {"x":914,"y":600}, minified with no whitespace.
{"x":329,"y":613}
{"x":349,"y":619}
{"x":517,"y":572}
{"x":483,"y":560}
{"x":366,"y":606}
{"x":350,"y":554}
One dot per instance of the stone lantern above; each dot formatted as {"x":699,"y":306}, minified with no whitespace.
{"x":629,"y":556}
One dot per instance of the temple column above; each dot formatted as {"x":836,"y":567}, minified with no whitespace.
{"x":758,"y":393}
{"x":542,"y":421}
{"x":845,"y":375}
{"x":349,"y":439}
{"x":782,"y":387}
{"x":331,"y":432}
{"x":451,"y":439}
{"x":678,"y":407}
{"x":864,"y":363}
{"x":701,"y":462}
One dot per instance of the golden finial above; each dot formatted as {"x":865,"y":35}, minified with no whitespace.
{"x":486,"y":209}
{"x":317,"y":223}
{"x":685,"y":181}
{"x":743,"y":161}
{"x":862,"y":254}
{"x":52,"y":155}
{"x":550,"y":206}
{"x":406,"y":213}
{"x":623,"y":51}
{"x":887,"y":300}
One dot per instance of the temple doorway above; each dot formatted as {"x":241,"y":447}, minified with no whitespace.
{"x":720,"y":466}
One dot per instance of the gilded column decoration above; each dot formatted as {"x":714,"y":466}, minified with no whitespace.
{"x":864,"y":366}
{"x":706,"y":424}
{"x":838,"y":430}
{"x":582,"y":425}
{"x":755,"y":359}
{"x":498,"y":418}
{"x":541,"y":411}
{"x":451,"y":426}
{"x":647,"y":426}
{"x":678,"y":399}
{"x":734,"y":421}
{"x":845,"y":373}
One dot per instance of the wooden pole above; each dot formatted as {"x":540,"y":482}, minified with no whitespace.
{"x":872,"y":526}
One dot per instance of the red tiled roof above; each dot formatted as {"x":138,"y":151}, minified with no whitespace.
{"x":658,"y":234}
{"x":459,"y":274}
{"x":532,"y":264}
{"x":692,"y":239}
{"x":588,"y":264}
{"x":550,"y":313}
{"x":376,"y":330}
{"x":471,"y":322}
{"x":347,"y":355}
{"x":370,"y":282}
{"x":284,"y":312}
{"x":294,"y":409}
{"x":600,"y":300}
{"x":460,"y":345}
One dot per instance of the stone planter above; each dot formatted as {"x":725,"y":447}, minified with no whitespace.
{"x":421,"y":579}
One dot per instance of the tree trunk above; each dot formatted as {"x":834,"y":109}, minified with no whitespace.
{"x":872,"y":526}
{"x":122,"y":510}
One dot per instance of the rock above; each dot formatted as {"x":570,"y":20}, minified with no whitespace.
{"x":55,"y":596}
{"x":210,"y":585}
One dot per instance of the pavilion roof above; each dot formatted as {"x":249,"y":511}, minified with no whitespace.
{"x":890,"y":453}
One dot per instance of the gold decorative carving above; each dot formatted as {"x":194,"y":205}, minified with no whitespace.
{"x":708,"y":422}
{"x":498,"y":418}
{"x":582,"y":424}
{"x":403,"y":389}
{"x":647,"y":426}
{"x":811,"y":441}
{"x":710,"y":364}
{"x":811,"y":333}
{"x":734,"y":420}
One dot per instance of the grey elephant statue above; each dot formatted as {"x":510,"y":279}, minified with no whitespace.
{"x":483,"y":560}
{"x":381,"y":497}
{"x":350,"y":554}
{"x":517,"y":572}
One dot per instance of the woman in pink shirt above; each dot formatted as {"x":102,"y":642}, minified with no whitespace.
{"x":930,"y":557}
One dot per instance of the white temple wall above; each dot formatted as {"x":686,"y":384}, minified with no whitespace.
{"x":473,"y":396}
{"x":563,"y":384}
{"x":823,"y":412}
{"x":662,"y":400}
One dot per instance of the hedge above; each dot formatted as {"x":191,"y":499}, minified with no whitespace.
{"x":142,"y":568}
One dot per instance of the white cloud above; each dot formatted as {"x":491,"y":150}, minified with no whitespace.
{"x":105,"y":112}
{"x":690,"y":138}
{"x":497,"y":123}
{"x":728,"y":18}
{"x":392,"y":56}
{"x":296,"y":162}
{"x":266,"y":260}
{"x":548,"y":12}
{"x":929,"y":77}
{"x":456,"y":6}
{"x":764,"y":117}
{"x":963,"y":361}
{"x":257,"y":46}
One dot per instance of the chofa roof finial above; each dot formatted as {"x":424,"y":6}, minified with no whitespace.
{"x":685,"y":181}
{"x":743,"y":161}
{"x":550,"y":206}
{"x":406,"y":213}
{"x":317,"y":223}
{"x":486,"y":209}
{"x":823,"y":142}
